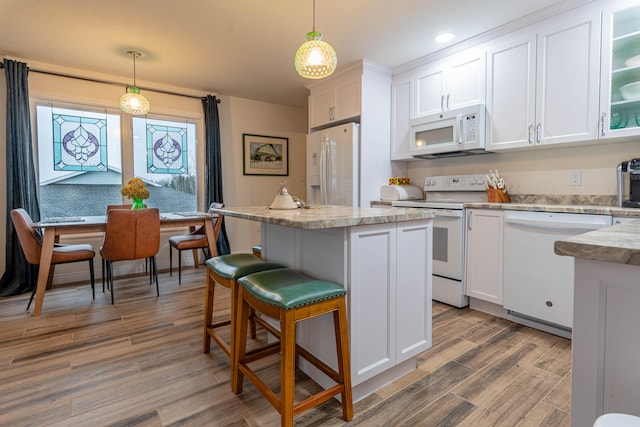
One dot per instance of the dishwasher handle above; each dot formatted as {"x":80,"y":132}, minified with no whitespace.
{"x":555,"y":225}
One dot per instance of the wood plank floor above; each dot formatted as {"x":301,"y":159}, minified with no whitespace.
{"x":140,"y":362}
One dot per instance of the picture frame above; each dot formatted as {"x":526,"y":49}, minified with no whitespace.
{"x":265,"y":155}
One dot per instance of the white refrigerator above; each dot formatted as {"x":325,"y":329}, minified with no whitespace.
{"x":333,"y":166}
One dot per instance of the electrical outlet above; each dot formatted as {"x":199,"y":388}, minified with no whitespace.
{"x":575,"y":178}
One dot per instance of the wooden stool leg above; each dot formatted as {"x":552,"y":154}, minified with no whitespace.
{"x":287,"y":367}
{"x":252,"y":323}
{"x":208,"y":313}
{"x":344,"y":368}
{"x":239,"y":341}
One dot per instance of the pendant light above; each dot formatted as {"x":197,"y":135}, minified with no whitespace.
{"x":132,"y":102}
{"x":315,"y":59}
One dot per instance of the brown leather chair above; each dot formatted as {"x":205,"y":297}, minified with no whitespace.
{"x":131,"y":234}
{"x":31,"y":243}
{"x":146,"y":261}
{"x":195,"y":240}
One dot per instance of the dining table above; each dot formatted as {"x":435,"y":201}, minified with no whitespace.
{"x":53,"y":228}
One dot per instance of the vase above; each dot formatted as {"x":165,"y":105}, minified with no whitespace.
{"x":137,"y":203}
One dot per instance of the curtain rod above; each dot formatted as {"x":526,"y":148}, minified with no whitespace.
{"x":110,"y":82}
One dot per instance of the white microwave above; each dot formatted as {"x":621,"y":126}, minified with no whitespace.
{"x":451,"y":133}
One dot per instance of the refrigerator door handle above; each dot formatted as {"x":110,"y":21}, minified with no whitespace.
{"x":323,"y":171}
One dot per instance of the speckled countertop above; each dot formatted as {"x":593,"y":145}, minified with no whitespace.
{"x":540,"y":207}
{"x":618,"y":244}
{"x":318,"y":216}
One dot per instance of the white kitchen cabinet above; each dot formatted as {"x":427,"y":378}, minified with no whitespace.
{"x":335,"y":100}
{"x":484,"y":255}
{"x":392,"y":321}
{"x":386,"y":269}
{"x":542,"y":83}
{"x":401,"y":92}
{"x":620,"y":66}
{"x":454,"y":82}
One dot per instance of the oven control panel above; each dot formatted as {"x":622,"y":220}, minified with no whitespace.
{"x":454,"y":183}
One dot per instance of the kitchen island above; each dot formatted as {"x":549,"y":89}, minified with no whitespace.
{"x":382,"y":256}
{"x":606,"y":342}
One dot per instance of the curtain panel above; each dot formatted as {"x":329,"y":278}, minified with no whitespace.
{"x":22,"y":188}
{"x":213,"y":164}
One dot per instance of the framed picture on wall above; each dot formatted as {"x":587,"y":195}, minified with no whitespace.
{"x":265,"y":155}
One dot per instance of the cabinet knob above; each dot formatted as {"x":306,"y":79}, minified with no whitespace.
{"x":549,"y":304}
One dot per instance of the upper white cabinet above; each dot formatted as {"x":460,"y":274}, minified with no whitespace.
{"x":451,"y":83}
{"x":401,"y":92}
{"x":335,"y":100}
{"x":543,"y":83}
{"x":620,"y":95}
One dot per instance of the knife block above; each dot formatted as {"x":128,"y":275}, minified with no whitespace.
{"x":497,"y":196}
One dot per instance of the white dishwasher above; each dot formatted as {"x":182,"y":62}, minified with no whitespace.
{"x":538,"y":283}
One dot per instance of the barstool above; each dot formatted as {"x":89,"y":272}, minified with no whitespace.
{"x":226,"y":270}
{"x":257,"y":251}
{"x":290,"y":297}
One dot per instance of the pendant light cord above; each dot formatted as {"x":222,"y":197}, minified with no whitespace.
{"x":314,"y":16}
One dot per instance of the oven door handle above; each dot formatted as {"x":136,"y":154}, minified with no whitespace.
{"x":447,"y":213}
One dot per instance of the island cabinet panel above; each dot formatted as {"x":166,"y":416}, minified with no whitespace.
{"x":373,"y":299}
{"x":386,"y":269}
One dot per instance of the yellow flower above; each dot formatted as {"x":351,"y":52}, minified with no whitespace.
{"x":135,"y":189}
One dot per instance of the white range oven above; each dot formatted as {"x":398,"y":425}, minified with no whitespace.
{"x":446,"y":195}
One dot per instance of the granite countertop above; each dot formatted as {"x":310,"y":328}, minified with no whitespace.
{"x":317,"y":216}
{"x":541,"y":207}
{"x":618,"y":244}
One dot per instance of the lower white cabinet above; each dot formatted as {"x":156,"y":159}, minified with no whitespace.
{"x":484,"y":255}
{"x":386,"y":269}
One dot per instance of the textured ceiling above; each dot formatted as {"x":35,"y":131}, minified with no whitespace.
{"x":243,"y":48}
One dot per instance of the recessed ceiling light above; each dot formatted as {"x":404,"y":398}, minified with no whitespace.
{"x":445,"y":37}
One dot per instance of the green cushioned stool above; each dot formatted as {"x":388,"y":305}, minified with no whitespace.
{"x":290,"y":297}
{"x":226,"y":270}
{"x":257,"y":251}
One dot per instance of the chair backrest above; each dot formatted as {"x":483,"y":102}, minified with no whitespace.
{"x":131,"y":234}
{"x":112,"y":207}
{"x":29,"y":238}
{"x":217,"y":222}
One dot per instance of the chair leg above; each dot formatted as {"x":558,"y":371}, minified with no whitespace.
{"x":208,"y":314}
{"x":32,"y":295}
{"x":154,"y":267}
{"x":240,"y":342}
{"x":287,"y":367}
{"x":110,"y":278}
{"x":93,"y":281}
{"x":179,"y":267}
{"x":171,"y":260}
{"x":104,"y":273}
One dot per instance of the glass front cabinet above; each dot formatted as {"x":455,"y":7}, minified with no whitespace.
{"x":620,"y":89}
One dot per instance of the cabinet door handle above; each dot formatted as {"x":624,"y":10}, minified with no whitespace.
{"x":448,"y":96}
{"x":442,"y":103}
{"x":538,"y":128}
{"x":530,"y":134}
{"x":602,"y":117}
{"x":469,"y":221}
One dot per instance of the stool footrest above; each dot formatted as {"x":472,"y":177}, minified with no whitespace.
{"x":317,"y":399}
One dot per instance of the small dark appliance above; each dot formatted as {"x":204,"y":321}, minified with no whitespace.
{"x":629,"y":176}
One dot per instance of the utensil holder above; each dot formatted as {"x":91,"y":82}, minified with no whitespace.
{"x":497,"y":196}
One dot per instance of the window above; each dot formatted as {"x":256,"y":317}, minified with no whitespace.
{"x":164,"y":154}
{"x":80,"y":161}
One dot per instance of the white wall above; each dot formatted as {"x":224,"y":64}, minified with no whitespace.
{"x":258,"y":118}
{"x":237,"y":116}
{"x":542,"y":170}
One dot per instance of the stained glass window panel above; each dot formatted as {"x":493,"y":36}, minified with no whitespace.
{"x":167,"y":149}
{"x":79,"y":143}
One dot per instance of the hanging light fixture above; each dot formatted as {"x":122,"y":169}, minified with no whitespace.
{"x":315,"y":59}
{"x":132,"y":102}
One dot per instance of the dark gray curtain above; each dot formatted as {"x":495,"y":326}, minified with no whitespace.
{"x":213,"y":164}
{"x":22,"y":188}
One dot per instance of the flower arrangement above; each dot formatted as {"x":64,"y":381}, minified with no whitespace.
{"x":136,"y":190}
